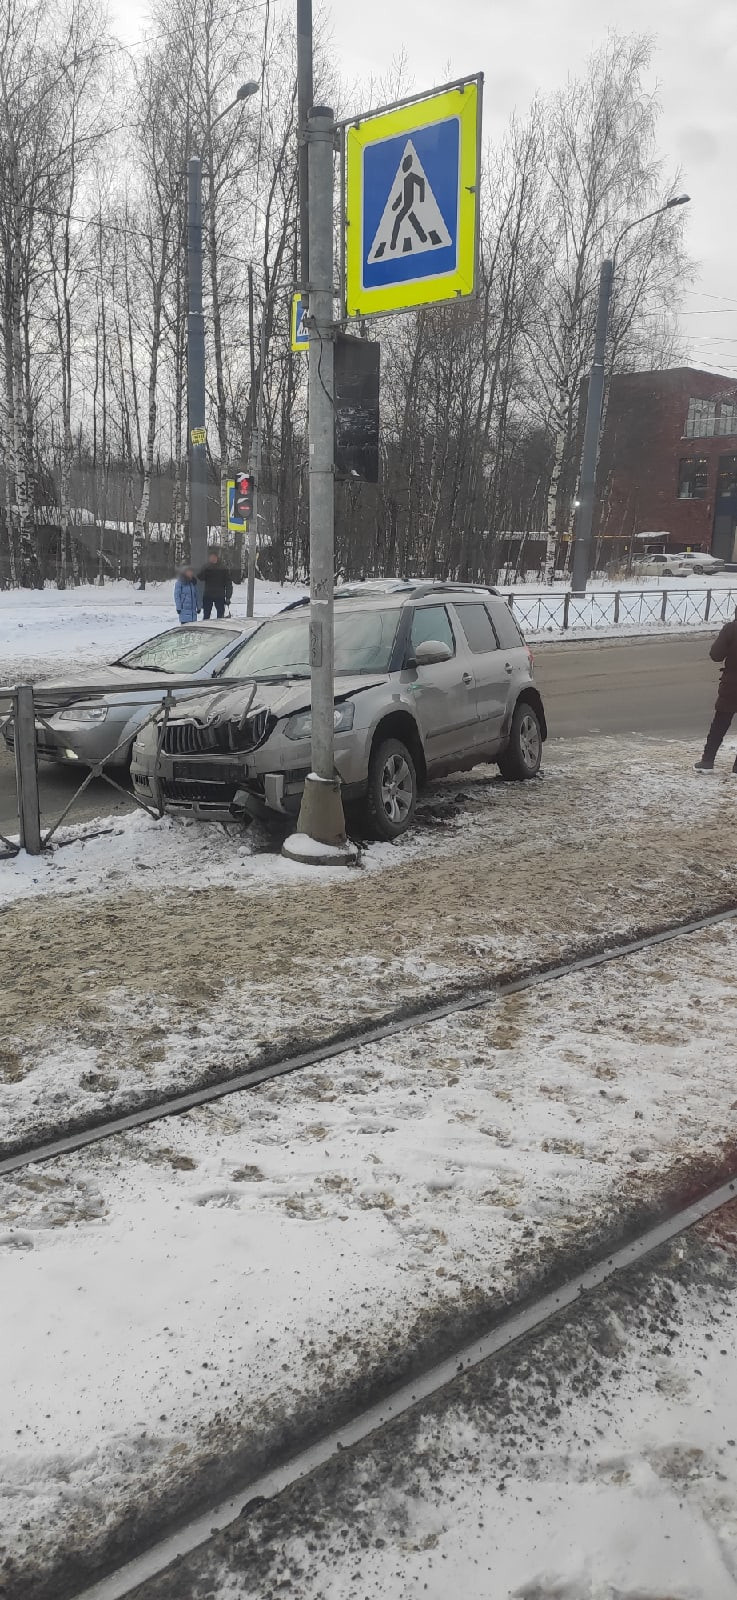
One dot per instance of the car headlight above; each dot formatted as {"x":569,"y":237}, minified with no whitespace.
{"x":300,"y":727}
{"x":84,"y":714}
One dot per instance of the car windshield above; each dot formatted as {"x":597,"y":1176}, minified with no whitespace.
{"x":182,"y":650}
{"x":281,"y":648}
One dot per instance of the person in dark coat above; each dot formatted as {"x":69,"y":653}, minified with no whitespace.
{"x":218,"y":585}
{"x":724,"y":649}
{"x":186,"y":595}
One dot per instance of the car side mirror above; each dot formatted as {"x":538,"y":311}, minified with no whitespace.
{"x":429,"y":653}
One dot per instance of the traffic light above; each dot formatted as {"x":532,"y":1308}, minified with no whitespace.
{"x":245,"y":484}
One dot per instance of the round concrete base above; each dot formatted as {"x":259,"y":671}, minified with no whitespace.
{"x":312,"y":853}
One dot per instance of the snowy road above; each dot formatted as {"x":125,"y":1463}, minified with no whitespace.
{"x":656,"y":687}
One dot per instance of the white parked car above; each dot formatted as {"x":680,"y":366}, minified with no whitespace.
{"x":661,"y":565}
{"x":701,"y":561}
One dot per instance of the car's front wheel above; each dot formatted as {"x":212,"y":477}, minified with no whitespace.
{"x":392,"y":789}
{"x":523,"y":754}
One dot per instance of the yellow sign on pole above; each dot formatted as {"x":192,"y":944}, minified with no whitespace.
{"x":300,"y":336}
{"x":235,"y":524}
{"x":411,"y":203}
{"x":199,"y":436}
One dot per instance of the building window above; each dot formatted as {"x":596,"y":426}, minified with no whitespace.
{"x":692,"y":477}
{"x":711,"y":419}
{"x":727,"y":477}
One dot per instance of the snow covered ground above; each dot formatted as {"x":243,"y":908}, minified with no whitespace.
{"x":179,"y":953}
{"x":182,"y":1292}
{"x":596,"y":1462}
{"x":41,"y":628}
{"x":46,"y":630}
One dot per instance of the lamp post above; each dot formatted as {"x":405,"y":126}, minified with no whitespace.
{"x":594,"y":404}
{"x":197,"y":429}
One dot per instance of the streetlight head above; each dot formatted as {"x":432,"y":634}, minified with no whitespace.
{"x":246,"y":90}
{"x":678,"y":200}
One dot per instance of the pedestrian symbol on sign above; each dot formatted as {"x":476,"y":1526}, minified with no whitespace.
{"x":411,"y":222}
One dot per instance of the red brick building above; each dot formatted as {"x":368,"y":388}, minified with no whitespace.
{"x":668,"y":461}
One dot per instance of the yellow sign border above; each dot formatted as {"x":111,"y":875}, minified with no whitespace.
{"x":463,"y":102}
{"x":233,"y":525}
{"x":297,"y":344}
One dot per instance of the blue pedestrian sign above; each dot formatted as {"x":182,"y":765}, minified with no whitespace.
{"x":235,"y":524}
{"x":411,"y":203}
{"x":300,"y":339}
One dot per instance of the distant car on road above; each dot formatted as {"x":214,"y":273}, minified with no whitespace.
{"x":429,"y":678}
{"x":84,"y":731}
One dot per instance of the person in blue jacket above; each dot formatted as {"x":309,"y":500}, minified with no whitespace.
{"x":186,"y":595}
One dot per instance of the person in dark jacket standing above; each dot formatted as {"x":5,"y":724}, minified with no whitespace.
{"x":724,"y":649}
{"x":186,"y":595}
{"x":218,"y":585}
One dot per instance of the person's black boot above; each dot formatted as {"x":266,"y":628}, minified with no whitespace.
{"x":704,"y":766}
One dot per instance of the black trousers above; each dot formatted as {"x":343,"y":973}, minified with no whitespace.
{"x":207,"y":605}
{"x":724,"y":711}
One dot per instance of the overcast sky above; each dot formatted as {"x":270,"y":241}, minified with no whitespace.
{"x":525,"y":45}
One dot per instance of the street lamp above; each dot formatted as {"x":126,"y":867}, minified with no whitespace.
{"x":594,"y":404}
{"x":197,"y":431}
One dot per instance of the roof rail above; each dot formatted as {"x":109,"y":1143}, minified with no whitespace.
{"x":389,"y":586}
{"x":453,"y":588}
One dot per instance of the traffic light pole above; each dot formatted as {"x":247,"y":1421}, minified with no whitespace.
{"x":197,"y":436}
{"x":321,"y":836}
{"x":256,"y":455}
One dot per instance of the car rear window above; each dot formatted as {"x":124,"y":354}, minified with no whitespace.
{"x":508,"y":633}
{"x":476,"y":624}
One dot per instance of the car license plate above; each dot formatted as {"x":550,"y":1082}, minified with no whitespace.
{"x":208,"y":771}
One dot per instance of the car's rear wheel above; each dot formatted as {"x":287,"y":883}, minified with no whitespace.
{"x":523,"y":754}
{"x":392,"y":789}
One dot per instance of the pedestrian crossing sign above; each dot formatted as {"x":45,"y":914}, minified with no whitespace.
{"x":300,"y":333}
{"x":411,"y":202}
{"x":235,"y":525}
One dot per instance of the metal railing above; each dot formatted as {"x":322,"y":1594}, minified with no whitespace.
{"x":18,"y":706}
{"x":552,"y":611}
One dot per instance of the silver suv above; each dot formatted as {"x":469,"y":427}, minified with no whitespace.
{"x":429,"y":678}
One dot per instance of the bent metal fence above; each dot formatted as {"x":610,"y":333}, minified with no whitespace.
{"x":25,"y":722}
{"x":555,"y":612}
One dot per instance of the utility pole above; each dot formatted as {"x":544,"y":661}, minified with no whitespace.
{"x":304,"y":103}
{"x":321,"y":816}
{"x":197,"y":433}
{"x":594,"y":404}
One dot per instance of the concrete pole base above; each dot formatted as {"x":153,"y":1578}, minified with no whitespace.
{"x":320,"y":840}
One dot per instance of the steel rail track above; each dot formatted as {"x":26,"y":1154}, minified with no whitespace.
{"x":475,"y":997}
{"x":411,"y":1394}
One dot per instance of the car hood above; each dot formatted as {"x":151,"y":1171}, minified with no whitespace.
{"x":59,"y":692}
{"x":281,"y":699}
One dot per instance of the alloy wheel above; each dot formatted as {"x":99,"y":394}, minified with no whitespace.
{"x":397,"y":789}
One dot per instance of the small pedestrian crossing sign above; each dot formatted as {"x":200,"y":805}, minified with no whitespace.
{"x":300,"y":332}
{"x":235,"y":524}
{"x":411,"y":203}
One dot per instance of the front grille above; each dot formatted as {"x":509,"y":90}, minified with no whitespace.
{"x":199,"y":793}
{"x":191,"y":738}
